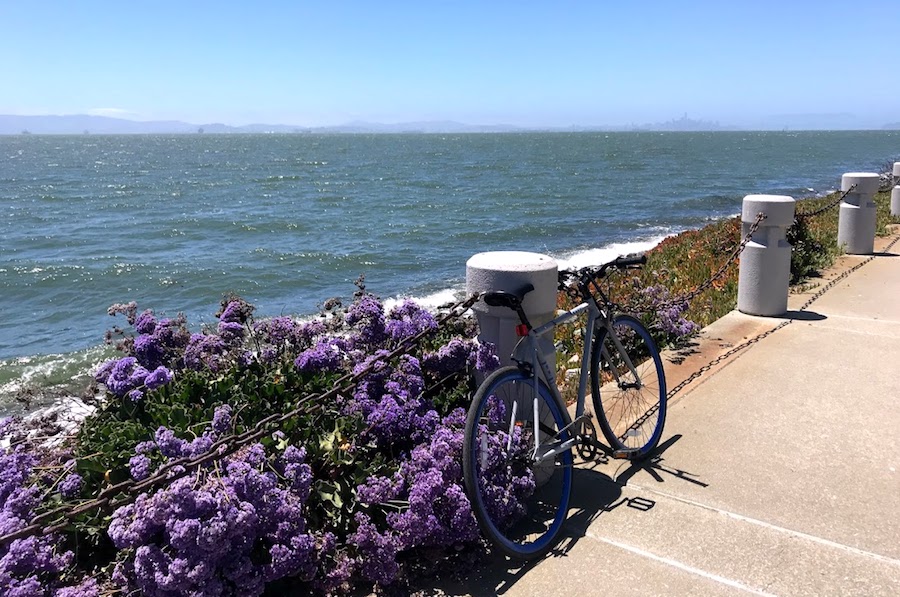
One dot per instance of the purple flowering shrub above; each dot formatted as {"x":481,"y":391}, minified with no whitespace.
{"x":349,"y":491}
{"x":161,"y":348}
{"x":436,"y":511}
{"x":35,"y":565}
{"x":227,"y":529}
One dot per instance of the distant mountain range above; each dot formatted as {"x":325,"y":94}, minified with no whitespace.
{"x":104,"y":125}
{"x":85,"y":124}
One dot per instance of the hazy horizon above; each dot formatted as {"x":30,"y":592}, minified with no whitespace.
{"x":586,"y":64}
{"x":72,"y":124}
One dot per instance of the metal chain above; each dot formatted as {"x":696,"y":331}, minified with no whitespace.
{"x":723,"y":357}
{"x":637,"y":306}
{"x":781,"y":325}
{"x":127,"y":491}
{"x":815,"y":212}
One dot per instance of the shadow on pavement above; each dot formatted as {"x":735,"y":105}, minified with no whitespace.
{"x":803,"y":316}
{"x":593,"y":494}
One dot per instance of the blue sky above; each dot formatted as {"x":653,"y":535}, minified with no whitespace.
{"x":601,"y":62}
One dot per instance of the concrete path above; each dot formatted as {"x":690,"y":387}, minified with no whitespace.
{"x":779,"y":472}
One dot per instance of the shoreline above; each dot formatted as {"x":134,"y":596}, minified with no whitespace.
{"x":64,"y":374}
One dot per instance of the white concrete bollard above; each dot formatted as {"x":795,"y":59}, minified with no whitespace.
{"x":765,"y":268}
{"x":510,"y":271}
{"x":895,"y":192}
{"x":856,"y":221}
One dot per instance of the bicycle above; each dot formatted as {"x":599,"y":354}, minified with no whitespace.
{"x":519,"y":436}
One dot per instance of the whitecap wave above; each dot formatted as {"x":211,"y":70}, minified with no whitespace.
{"x":429,"y":301}
{"x":604,"y":254}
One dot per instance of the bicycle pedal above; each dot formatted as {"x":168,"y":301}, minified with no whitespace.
{"x":625,"y":454}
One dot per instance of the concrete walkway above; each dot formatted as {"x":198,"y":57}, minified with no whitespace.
{"x":779,"y":472}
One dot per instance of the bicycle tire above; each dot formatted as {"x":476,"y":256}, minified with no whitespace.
{"x":520,"y":506}
{"x":631,"y":418}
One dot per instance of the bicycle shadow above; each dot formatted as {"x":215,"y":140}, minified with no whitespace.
{"x":594,"y":494}
{"x":657,"y":469}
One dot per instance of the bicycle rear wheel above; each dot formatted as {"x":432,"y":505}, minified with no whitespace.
{"x":631,"y":410}
{"x":519,"y":484}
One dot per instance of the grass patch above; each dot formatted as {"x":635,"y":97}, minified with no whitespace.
{"x":683,"y":262}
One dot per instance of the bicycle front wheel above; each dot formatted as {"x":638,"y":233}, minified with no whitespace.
{"x":518,"y":475}
{"x":628,"y":387}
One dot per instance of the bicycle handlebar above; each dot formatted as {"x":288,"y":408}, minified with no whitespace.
{"x":593,"y":272}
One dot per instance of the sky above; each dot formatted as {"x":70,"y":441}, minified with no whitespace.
{"x":532,"y":64}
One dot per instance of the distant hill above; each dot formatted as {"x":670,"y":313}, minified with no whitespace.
{"x":81,"y":123}
{"x":77,"y":124}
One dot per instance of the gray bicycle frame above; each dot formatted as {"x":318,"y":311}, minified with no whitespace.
{"x":529,"y":344}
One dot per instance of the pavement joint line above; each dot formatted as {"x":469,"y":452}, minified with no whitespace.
{"x":769,"y":525}
{"x":682,"y":566}
{"x":822,"y":326}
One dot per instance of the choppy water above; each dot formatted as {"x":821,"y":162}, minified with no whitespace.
{"x":288,"y":221}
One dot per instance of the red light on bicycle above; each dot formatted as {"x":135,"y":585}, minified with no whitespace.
{"x":521,"y":330}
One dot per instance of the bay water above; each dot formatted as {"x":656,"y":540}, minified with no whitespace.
{"x":288,"y":221}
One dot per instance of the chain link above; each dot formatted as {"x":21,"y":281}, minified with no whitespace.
{"x":821,"y":210}
{"x":127,"y":491}
{"x":638,"y":306}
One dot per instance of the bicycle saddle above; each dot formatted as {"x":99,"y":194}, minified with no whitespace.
{"x":502,"y":298}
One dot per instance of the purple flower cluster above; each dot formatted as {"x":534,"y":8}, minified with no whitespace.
{"x":32,"y":565}
{"x":221,"y":422}
{"x":458,"y":354}
{"x":70,"y":486}
{"x":206,"y":351}
{"x":170,"y":446}
{"x":507,"y":480}
{"x":236,"y":310}
{"x":326,"y":355}
{"x":438,"y":515}
{"x":366,"y":315}
{"x":161,"y":342}
{"x":669,"y":319}
{"x":277,"y":331}
{"x":407,"y":320}
{"x":221,"y":533}
{"x":126,"y":376}
{"x":145,"y":322}
{"x":391,"y":400}
{"x":155,"y":351}
{"x":158,"y":378}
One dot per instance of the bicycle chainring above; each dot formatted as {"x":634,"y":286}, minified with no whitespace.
{"x":587,"y":446}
